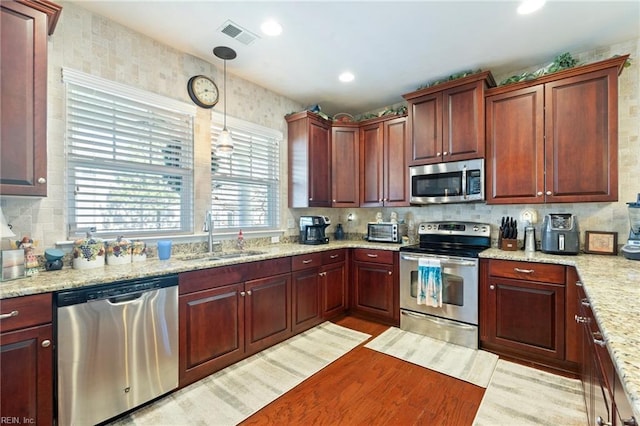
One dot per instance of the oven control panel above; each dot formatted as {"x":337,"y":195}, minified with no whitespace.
{"x":455,"y":228}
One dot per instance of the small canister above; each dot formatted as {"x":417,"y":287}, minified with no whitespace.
{"x":88,"y":253}
{"x":139,"y":251}
{"x":118,"y":251}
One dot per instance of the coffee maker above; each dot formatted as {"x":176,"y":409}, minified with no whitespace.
{"x":560,"y":234}
{"x":312,"y":229}
{"x":631,"y":250}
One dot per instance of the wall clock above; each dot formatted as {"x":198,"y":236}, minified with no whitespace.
{"x":203,"y":91}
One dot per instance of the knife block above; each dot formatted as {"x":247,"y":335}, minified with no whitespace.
{"x":508,"y":244}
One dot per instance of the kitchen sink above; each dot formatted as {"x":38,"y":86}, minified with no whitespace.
{"x":226,"y":255}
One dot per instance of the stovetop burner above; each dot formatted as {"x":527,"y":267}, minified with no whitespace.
{"x":460,"y":239}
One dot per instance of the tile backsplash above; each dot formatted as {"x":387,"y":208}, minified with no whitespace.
{"x":95,"y":45}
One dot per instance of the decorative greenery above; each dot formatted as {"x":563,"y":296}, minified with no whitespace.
{"x":450,"y":78}
{"x":560,"y":62}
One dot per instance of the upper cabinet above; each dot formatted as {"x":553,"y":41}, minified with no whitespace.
{"x":309,"y":138}
{"x":24,"y":26}
{"x":538,"y":132}
{"x":384,"y":175}
{"x":345,"y":151}
{"x":446,"y":121}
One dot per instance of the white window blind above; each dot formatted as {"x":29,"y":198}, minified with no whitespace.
{"x":245,"y":187}
{"x":129,"y":159}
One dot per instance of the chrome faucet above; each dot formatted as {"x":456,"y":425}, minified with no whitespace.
{"x":208,"y":227}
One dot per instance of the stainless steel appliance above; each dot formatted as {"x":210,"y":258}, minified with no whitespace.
{"x":456,"y":246}
{"x":312,"y":229}
{"x":560,"y":234}
{"x":117,"y":347}
{"x":454,"y":182}
{"x":631,"y":250}
{"x":386,"y":232}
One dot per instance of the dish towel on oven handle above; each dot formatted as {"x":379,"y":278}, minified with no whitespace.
{"x":429,"y":283}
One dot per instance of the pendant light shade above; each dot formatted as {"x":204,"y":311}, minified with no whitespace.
{"x":224,"y":144}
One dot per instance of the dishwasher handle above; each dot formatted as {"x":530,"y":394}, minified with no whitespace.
{"x":123,"y":299}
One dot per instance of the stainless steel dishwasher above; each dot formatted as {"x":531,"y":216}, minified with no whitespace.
{"x":117,"y":347}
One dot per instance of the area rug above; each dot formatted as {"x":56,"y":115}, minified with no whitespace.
{"x":236,"y":392}
{"x":520,"y":395}
{"x":473,"y":366}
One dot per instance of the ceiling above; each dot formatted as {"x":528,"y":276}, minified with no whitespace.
{"x":392,"y":47}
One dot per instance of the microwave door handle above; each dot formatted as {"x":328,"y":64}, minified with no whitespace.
{"x":464,"y":183}
{"x":444,"y":260}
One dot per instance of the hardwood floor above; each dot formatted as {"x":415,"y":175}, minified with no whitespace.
{"x":368,"y":387}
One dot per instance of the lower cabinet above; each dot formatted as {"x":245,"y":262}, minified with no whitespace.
{"x":229,"y":313}
{"x":333,"y":284}
{"x":375,"y":285}
{"x":26,"y":334}
{"x":522,"y":309}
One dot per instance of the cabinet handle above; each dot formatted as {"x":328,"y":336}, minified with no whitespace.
{"x":445,"y":153}
{"x":581,"y":320}
{"x":438,"y":154}
{"x":492,"y":287}
{"x":585,"y":302}
{"x":630,"y":422}
{"x":42,"y":180}
{"x":539,"y":193}
{"x":524,"y":271}
{"x":9,"y":315}
{"x":306,"y":261}
{"x":549,"y":193}
{"x":600,"y":342}
{"x":242,"y":293}
{"x":310,"y":198}
{"x":389,"y":272}
{"x":323,"y":274}
{"x":334,"y":256}
{"x":578,"y":283}
{"x":372,"y":255}
{"x":248,"y":292}
{"x":45,"y":343}
{"x":600,"y":422}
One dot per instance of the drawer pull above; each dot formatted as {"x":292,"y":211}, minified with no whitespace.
{"x":372,"y":255}
{"x":600,"y":342}
{"x":334,"y":256}
{"x":585,"y":302}
{"x":578,"y":283}
{"x":581,"y":320}
{"x":242,"y":293}
{"x":524,"y":271}
{"x":46,"y":343}
{"x":9,"y":315}
{"x":307,"y":261}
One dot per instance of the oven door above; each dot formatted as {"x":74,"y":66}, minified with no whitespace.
{"x":459,"y":287}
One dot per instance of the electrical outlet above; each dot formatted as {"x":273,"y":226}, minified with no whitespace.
{"x":528,"y":215}
{"x":275,"y":239}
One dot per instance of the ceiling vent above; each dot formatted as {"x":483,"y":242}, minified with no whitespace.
{"x":236,"y":32}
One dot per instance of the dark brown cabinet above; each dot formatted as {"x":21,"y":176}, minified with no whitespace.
{"x":446,"y":121}
{"x":536,"y":130}
{"x":375,"y":285}
{"x":345,"y":153}
{"x":309,"y":144}
{"x":522,"y":310}
{"x":24,"y":28}
{"x":26,"y":357}
{"x":384,"y":176}
{"x":333,"y":284}
{"x":229,"y":313}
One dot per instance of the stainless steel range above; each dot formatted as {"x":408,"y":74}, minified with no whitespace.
{"x":451,"y":250}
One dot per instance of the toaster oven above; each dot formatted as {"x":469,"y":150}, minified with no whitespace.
{"x":386,"y":232}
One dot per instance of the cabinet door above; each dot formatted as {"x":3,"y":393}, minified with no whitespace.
{"x":581,"y":116}
{"x":515,"y":146}
{"x":371,"y":165}
{"x":463,"y":122}
{"x":374,"y":292}
{"x":305,"y":299}
{"x":529,"y":316}
{"x":211,"y":331}
{"x":26,"y":377}
{"x":319,"y":165}
{"x":345,"y":154}
{"x":23,"y":120}
{"x":425,"y":129}
{"x":573,"y":331}
{"x":267,"y":312}
{"x":396,"y":171}
{"x":334,"y":289}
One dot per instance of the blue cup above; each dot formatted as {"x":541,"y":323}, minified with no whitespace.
{"x":164,"y":249}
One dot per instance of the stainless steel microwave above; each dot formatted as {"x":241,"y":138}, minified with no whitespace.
{"x":454,"y":182}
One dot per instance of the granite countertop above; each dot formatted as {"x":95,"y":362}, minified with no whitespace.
{"x":612,"y":284}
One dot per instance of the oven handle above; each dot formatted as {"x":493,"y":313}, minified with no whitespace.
{"x":444,"y":259}
{"x":434,"y":319}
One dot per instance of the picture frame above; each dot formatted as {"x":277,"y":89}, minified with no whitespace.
{"x":601,"y":242}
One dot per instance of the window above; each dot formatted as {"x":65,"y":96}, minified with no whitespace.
{"x":245,"y":187}
{"x":129,"y":159}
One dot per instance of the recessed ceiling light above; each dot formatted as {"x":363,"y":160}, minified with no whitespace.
{"x":271,"y":28}
{"x":530,"y":6}
{"x":346,"y":77}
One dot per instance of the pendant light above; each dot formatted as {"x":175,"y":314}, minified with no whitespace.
{"x":224,"y":144}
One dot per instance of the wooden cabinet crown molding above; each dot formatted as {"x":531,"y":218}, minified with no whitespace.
{"x":52,"y":10}
{"x":617,"y":61}
{"x":484,"y":75}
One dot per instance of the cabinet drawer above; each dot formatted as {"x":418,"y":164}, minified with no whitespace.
{"x":542,"y":272}
{"x":25,"y":311}
{"x":376,"y":256}
{"x":333,"y":256}
{"x":305,"y":261}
